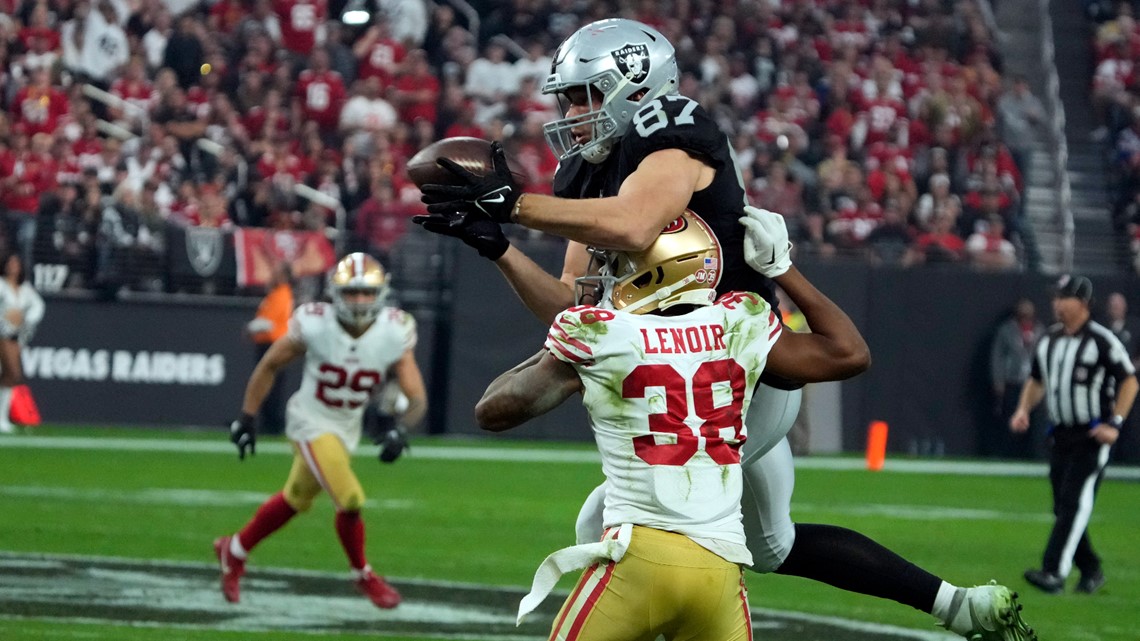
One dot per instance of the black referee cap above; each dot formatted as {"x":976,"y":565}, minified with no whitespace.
{"x":1074,"y":287}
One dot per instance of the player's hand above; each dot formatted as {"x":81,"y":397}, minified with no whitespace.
{"x":243,"y":434}
{"x":393,"y":444}
{"x":493,"y":194}
{"x":766,"y":245}
{"x":473,"y":228}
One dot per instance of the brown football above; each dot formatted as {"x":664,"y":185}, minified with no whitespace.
{"x":473,"y":154}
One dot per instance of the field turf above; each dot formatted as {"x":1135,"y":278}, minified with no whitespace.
{"x":434,"y":516}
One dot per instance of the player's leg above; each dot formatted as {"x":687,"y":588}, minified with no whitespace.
{"x":840,"y":557}
{"x":330,"y":464}
{"x":233,"y":550}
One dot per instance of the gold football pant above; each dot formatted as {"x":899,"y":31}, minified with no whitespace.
{"x":323,"y":464}
{"x":665,"y":585}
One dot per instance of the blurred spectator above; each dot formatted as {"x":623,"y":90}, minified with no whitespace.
{"x":320,"y":94}
{"x":381,"y":220}
{"x":988,"y":249}
{"x":1011,"y":353}
{"x":939,"y":245}
{"x":888,"y":243}
{"x":1021,"y":115}
{"x":366,"y":110}
{"x":301,"y":23}
{"x":416,"y":90}
{"x":409,"y":20}
{"x":490,"y":79}
{"x":378,"y":53}
{"x":270,"y":324}
{"x":184,"y":53}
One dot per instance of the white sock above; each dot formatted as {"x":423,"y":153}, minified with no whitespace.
{"x":361,"y":572}
{"x":236,"y":550}
{"x":5,"y":408}
{"x":951,"y":609}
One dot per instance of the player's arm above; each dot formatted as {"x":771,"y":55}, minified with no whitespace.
{"x":543,"y":294}
{"x":411,"y":382}
{"x":531,"y":388}
{"x":834,"y":350}
{"x":654,"y":195}
{"x":282,"y":352}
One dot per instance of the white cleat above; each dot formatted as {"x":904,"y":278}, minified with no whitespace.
{"x":995,"y":614}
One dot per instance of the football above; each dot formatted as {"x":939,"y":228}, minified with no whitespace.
{"x":473,"y":154}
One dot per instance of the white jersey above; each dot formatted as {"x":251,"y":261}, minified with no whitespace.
{"x":26,"y":299}
{"x":341,"y":372}
{"x":666,"y":397}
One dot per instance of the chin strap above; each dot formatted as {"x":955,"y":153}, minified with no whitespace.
{"x":662,"y":296}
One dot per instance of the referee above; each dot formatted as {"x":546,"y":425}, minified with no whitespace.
{"x":1082,"y":371}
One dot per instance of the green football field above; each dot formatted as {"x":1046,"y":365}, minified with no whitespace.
{"x":470,"y":517}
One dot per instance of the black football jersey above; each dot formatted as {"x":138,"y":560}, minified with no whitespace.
{"x":677,"y":122}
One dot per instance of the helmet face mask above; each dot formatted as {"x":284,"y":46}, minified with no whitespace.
{"x":358,"y":286}
{"x":681,"y":267}
{"x":619,"y":66}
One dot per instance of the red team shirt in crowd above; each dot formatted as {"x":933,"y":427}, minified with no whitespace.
{"x":298,"y":20}
{"x":322,"y":95}
{"x":39,"y":110}
{"x":381,"y":59}
{"x":35,"y":174}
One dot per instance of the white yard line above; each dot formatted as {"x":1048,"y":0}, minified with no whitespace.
{"x":530,"y":455}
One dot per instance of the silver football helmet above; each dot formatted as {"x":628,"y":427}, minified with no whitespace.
{"x":622,"y":65}
{"x":358,"y":272}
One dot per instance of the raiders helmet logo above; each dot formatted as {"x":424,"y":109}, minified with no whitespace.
{"x":633,"y":62}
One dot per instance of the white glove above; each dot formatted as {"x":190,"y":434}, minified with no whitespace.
{"x":766,"y":245}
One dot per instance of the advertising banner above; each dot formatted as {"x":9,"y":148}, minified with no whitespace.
{"x":257,"y":250}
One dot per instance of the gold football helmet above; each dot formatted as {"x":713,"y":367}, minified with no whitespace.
{"x":355,"y":275}
{"x":683,"y":266}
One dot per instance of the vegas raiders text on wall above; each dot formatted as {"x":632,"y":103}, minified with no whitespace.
{"x":121,"y":366}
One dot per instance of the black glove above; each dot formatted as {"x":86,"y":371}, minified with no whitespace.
{"x":473,"y":228}
{"x":393,"y":444}
{"x":494,"y":194}
{"x":243,"y":434}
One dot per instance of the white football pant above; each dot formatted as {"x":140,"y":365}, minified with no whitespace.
{"x":769,"y":476}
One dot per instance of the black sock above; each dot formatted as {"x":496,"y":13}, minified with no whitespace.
{"x":850,"y":561}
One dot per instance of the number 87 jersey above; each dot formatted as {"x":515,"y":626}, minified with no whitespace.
{"x":341,"y":372}
{"x":666,"y":397}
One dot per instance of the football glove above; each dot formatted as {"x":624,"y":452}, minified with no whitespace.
{"x":473,"y":228}
{"x":494,"y":194}
{"x":243,"y":434}
{"x":393,"y":444}
{"x":766,"y":245}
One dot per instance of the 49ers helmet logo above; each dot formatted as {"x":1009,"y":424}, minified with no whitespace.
{"x":676,"y":226}
{"x":633,"y":62}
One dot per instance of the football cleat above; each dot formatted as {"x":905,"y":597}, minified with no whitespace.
{"x":232,"y":569}
{"x":377,"y":590}
{"x":995,"y":615}
{"x":1045,"y":581}
{"x":1090,"y":583}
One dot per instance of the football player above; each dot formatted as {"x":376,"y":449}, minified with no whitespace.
{"x":633,"y":155}
{"x":667,"y":378}
{"x":348,"y":345}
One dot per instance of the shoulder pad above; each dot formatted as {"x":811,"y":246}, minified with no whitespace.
{"x":674,"y":122}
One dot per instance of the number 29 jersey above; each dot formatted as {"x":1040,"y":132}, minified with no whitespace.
{"x":341,"y":372}
{"x":666,"y":397}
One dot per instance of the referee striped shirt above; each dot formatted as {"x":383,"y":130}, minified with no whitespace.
{"x":1080,"y":373}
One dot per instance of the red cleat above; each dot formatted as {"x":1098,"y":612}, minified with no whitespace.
{"x":232,"y":569}
{"x":380,"y":593}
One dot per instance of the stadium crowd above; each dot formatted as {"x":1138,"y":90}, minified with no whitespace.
{"x":1116,"y":100}
{"x":871,"y":125}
